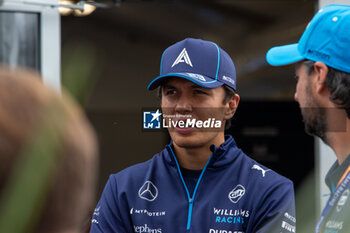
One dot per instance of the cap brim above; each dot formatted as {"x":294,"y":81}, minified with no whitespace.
{"x":283,"y":55}
{"x":209,"y":83}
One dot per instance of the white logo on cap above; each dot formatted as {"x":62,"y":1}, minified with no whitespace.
{"x":183,"y":57}
{"x":197,"y":76}
{"x":228,"y":79}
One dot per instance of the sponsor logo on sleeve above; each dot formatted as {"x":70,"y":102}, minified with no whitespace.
{"x":236,"y":194}
{"x":288,"y":227}
{"x":290,"y":217}
{"x":95,"y":215}
{"x":148,"y":191}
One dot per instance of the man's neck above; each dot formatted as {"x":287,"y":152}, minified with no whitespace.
{"x":195,"y":158}
{"x":340,"y":142}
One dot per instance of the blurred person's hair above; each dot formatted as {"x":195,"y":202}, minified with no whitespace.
{"x":25,"y":104}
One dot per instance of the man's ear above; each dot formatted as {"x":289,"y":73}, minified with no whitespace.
{"x":231,"y":106}
{"x":321,"y":71}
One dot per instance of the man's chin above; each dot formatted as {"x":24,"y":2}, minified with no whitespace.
{"x":186,"y":140}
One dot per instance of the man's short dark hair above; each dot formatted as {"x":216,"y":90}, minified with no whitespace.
{"x":229,"y":92}
{"x":338,"y":83}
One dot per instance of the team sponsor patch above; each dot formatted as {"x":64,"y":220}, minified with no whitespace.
{"x":147,"y":212}
{"x":95,"y":215}
{"x":228,"y":79}
{"x":197,"y":76}
{"x":238,"y":216}
{"x":145,"y":228}
{"x":290,"y":217}
{"x":288,"y":226}
{"x":236,"y":194}
{"x":148,"y":191}
{"x":223,"y":231}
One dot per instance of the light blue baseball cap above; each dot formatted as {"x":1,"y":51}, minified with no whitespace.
{"x":326,"y":39}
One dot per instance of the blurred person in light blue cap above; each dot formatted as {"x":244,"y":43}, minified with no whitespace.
{"x":322,"y":58}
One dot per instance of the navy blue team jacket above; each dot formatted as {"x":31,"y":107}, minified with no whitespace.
{"x":233,"y":194}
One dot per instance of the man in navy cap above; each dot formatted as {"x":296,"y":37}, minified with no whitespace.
{"x":322,"y":60}
{"x":201,"y":182}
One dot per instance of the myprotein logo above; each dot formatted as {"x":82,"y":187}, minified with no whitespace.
{"x":148,"y":191}
{"x":145,"y":228}
{"x":236,"y":194}
{"x":147,"y":212}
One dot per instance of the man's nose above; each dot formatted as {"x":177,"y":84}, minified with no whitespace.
{"x":183,"y":104}
{"x":296,"y":96}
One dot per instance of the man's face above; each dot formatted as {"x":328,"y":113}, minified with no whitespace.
{"x":184,"y":99}
{"x":313,"y":114}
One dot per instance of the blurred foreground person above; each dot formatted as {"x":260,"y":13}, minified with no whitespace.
{"x":48,"y":155}
{"x":323,"y":91}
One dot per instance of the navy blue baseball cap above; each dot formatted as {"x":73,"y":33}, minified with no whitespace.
{"x":201,"y":62}
{"x":326,"y":39}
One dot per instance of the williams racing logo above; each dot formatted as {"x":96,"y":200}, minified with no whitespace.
{"x":238,"y":216}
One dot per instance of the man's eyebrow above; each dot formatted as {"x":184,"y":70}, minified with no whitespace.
{"x":197,"y":86}
{"x":167,"y":86}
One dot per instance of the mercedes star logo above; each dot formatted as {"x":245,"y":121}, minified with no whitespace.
{"x":148,"y":191}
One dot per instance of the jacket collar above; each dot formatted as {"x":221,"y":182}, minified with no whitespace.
{"x":335,"y":173}
{"x":220,"y":156}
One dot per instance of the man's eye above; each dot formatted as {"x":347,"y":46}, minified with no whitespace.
{"x":170,"y":92}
